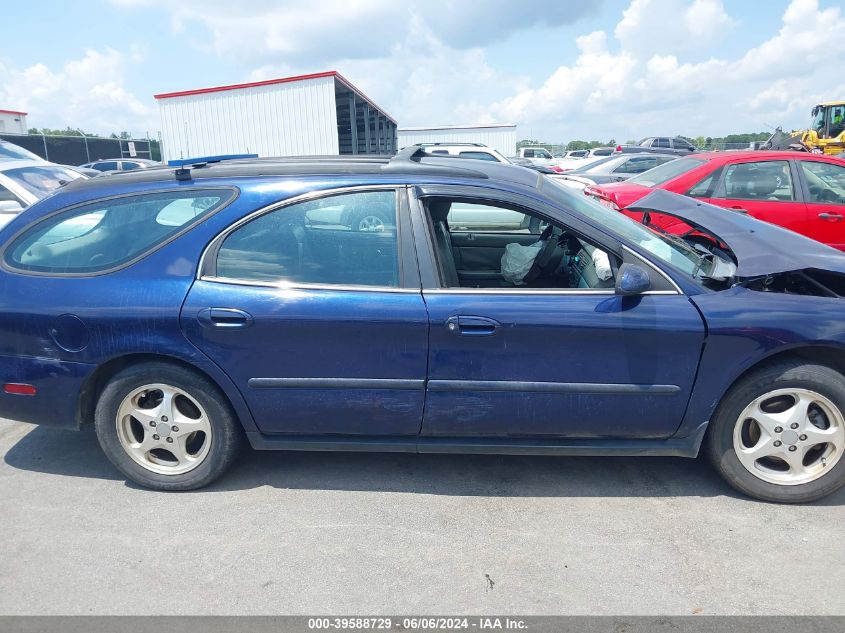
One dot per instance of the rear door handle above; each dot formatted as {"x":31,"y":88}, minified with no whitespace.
{"x":224,"y":318}
{"x":472,"y":325}
{"x":740,"y":210}
{"x":830,"y":216}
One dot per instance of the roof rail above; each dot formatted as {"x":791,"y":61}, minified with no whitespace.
{"x":185,"y":164}
{"x":411,"y":153}
{"x":204,"y":160}
{"x":463,"y":144}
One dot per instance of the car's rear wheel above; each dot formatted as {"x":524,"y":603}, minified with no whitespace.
{"x":166,"y":427}
{"x":779,"y":434}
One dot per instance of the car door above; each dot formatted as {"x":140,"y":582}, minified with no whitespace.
{"x":765,"y":189}
{"x":322,"y":327}
{"x":823,"y":185}
{"x":579,"y":362}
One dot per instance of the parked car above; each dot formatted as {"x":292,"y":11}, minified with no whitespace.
{"x":612,"y":169}
{"x":476,"y":151}
{"x":184,"y":320}
{"x":567,"y":165}
{"x":601,"y":151}
{"x":121,"y":164}
{"x":800,"y":191}
{"x":661,"y":145}
{"x":538,"y":156}
{"x":577,"y":153}
{"x":10,"y":151}
{"x":23,"y":182}
{"x":86,"y":171}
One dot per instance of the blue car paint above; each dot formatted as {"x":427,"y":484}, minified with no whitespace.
{"x":586,"y":340}
{"x":136,"y":310}
{"x":343,"y":335}
{"x":746,"y":327}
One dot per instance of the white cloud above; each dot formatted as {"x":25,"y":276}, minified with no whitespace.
{"x":651,"y":27}
{"x":354,"y":29}
{"x":643,"y":85}
{"x":88,"y":92}
{"x":660,"y":70}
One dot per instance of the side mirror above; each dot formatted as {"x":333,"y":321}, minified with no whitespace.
{"x":632,"y":280}
{"x":10,"y":206}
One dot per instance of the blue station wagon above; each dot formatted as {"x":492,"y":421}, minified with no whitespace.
{"x":418,"y":304}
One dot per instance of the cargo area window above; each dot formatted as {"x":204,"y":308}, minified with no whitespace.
{"x":106,"y":234}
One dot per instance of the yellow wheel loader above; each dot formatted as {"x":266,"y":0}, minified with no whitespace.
{"x":825,"y":136}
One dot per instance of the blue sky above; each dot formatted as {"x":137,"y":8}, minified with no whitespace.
{"x":560,"y":70}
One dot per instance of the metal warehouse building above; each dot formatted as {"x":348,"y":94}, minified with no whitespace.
{"x":291,"y":116}
{"x":12,"y":122}
{"x":499,"y":136}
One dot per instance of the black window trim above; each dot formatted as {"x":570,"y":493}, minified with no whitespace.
{"x":409,"y":279}
{"x":234,"y":193}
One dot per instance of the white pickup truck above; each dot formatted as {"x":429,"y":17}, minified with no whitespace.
{"x":538,"y":156}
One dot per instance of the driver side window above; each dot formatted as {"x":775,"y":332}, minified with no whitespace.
{"x":489,"y":245}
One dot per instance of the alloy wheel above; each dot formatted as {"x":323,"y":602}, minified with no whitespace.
{"x":789,"y":436}
{"x":164,"y":429}
{"x":371,"y":223}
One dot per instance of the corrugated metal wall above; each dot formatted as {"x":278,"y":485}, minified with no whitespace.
{"x":501,"y":138}
{"x":286,"y":119}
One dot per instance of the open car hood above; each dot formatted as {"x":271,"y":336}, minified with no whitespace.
{"x":760,"y":248}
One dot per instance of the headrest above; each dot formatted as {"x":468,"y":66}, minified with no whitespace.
{"x":439,"y":209}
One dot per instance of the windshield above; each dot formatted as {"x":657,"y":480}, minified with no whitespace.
{"x":669,"y":249}
{"x":666,"y":172}
{"x":13,"y":152}
{"x":41,"y":180}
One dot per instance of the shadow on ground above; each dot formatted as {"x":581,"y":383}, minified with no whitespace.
{"x":77,"y":454}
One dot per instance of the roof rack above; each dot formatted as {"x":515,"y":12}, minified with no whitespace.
{"x":449,"y":144}
{"x":186,"y":164}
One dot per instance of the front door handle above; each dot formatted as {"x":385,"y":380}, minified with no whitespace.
{"x":472,"y":325}
{"x":740,"y":210}
{"x":224,"y":318}
{"x":830,"y":216}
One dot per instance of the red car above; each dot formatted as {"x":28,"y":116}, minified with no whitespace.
{"x":801,"y":192}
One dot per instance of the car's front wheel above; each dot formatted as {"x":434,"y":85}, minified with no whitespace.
{"x":166,"y":427}
{"x":779,"y":434}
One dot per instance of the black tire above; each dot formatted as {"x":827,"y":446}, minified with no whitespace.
{"x":719,"y":442}
{"x":226,"y":431}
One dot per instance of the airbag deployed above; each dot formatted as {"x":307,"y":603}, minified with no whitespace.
{"x":517,"y":261}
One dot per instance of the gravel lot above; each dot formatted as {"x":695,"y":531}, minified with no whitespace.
{"x":319,"y":533}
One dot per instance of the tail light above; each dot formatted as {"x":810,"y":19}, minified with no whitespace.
{"x":19,"y":389}
{"x":618,"y":148}
{"x":602,"y":197}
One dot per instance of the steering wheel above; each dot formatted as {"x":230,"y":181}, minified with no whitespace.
{"x":828,"y":195}
{"x":551,"y":235}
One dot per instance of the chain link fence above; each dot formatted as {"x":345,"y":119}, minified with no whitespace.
{"x":76,"y":150}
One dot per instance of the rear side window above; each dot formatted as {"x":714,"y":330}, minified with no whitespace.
{"x":108,"y":233}
{"x":346,"y":239}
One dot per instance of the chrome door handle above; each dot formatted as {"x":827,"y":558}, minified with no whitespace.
{"x":830,"y":216}
{"x":472,"y":325}
{"x":224,"y":317}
